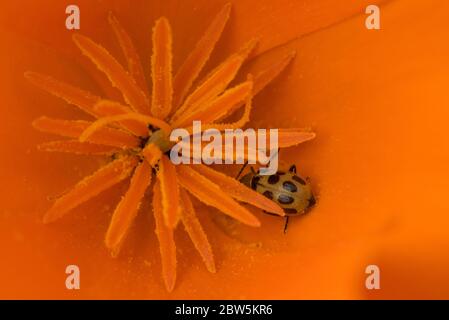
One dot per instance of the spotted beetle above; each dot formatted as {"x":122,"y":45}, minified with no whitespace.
{"x":292,"y":193}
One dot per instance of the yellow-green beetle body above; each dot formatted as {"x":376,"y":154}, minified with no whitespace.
{"x":292,"y":193}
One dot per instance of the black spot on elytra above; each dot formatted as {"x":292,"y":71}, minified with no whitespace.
{"x":280,"y":173}
{"x":285,"y":199}
{"x":298,"y":179}
{"x":289,"y":186}
{"x":273,"y":179}
{"x":290,"y":210}
{"x":268,"y":194}
{"x":254,"y":182}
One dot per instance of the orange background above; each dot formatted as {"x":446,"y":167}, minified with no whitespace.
{"x":378,"y":100}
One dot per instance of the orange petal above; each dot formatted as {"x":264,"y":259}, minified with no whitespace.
{"x":166,"y":241}
{"x":196,"y":232}
{"x":170,"y":191}
{"x":106,"y":108}
{"x":74,"y":146}
{"x":161,"y":69}
{"x":132,"y":57}
{"x":198,"y":57}
{"x":128,"y":207}
{"x":73,"y":95}
{"x":74,"y":128}
{"x":211,"y":194}
{"x":215,"y":84}
{"x":91,"y":186}
{"x":152,"y":154}
{"x":100,"y":124}
{"x":238,"y":190}
{"x":119,"y":78}
{"x":211,"y":111}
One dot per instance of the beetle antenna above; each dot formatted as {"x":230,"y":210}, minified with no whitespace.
{"x":241,"y":170}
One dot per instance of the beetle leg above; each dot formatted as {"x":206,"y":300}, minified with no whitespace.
{"x":286,"y":224}
{"x":254,"y":171}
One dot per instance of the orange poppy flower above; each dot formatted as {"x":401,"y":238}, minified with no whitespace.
{"x":141,"y":140}
{"x":365,"y":92}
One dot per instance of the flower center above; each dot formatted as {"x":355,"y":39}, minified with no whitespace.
{"x":161,"y":140}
